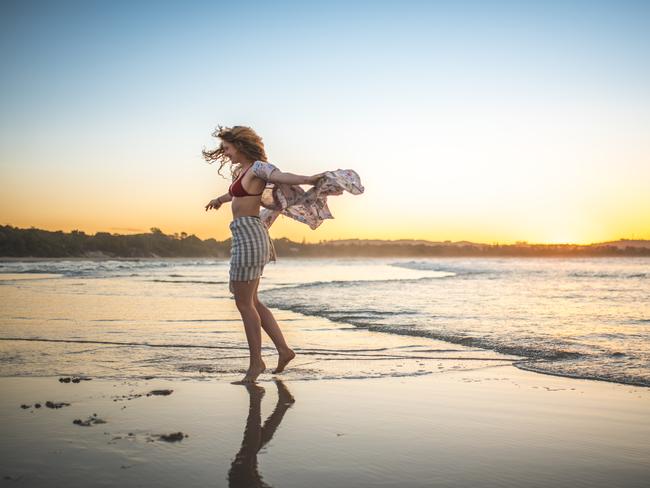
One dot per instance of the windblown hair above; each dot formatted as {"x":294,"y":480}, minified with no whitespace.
{"x":243,"y":138}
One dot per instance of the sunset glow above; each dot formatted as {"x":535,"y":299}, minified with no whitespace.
{"x":496,"y":123}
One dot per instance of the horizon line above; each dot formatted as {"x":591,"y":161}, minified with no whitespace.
{"x":135,"y":231}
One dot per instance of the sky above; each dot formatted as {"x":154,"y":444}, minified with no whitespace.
{"x":467,"y":120}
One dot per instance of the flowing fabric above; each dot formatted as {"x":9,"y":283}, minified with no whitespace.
{"x":309,"y":207}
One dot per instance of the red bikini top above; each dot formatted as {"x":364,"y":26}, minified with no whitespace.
{"x":236,"y":188}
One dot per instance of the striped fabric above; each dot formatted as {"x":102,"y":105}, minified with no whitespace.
{"x":251,"y":248}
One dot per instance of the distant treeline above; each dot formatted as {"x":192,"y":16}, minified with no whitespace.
{"x":15,"y":242}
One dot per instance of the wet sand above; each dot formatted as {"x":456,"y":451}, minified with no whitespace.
{"x":497,"y":426}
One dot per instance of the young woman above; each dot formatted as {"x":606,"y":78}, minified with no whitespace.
{"x":251,"y":245}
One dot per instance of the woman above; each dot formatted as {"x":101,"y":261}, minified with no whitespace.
{"x":251,"y":245}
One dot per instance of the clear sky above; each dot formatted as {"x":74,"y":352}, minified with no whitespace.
{"x":467,"y":120}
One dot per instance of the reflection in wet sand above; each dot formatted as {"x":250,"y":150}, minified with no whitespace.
{"x":243,"y":470}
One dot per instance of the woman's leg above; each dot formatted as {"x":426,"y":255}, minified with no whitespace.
{"x":244,"y":292}
{"x":271,"y":327}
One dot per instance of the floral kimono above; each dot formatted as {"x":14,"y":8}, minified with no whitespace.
{"x":308,"y":207}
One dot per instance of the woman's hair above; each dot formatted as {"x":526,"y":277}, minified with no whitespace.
{"x":243,"y":138}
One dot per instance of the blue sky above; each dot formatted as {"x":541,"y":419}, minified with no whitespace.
{"x":532,"y":115}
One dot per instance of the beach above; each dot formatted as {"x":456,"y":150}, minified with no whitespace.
{"x":488,"y":427}
{"x":132,"y":363}
{"x":454,"y":199}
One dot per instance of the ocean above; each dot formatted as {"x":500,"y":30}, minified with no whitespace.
{"x":346,"y":318}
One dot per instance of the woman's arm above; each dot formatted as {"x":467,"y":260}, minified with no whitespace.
{"x":217,"y":202}
{"x":226,"y":197}
{"x":278,"y":176}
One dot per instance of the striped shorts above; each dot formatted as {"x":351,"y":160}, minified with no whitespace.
{"x":251,"y":248}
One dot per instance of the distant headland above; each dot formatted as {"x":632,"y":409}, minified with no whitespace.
{"x":37,"y":243}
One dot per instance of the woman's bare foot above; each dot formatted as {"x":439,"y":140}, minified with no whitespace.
{"x":254,"y":370}
{"x":283,"y":360}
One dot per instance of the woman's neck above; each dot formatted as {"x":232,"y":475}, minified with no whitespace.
{"x":245,"y":164}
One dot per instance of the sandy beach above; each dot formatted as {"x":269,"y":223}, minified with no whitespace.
{"x":132,"y":363}
{"x":490,"y":427}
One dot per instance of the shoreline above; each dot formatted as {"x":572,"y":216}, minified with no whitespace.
{"x":514,"y":363}
{"x":578,"y":377}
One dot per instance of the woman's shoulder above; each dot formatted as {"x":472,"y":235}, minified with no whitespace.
{"x":263,"y":169}
{"x":259,"y":162}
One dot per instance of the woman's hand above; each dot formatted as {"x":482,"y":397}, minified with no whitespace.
{"x":312,"y":180}
{"x":215,"y":204}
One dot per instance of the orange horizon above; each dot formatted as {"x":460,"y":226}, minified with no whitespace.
{"x":295,"y":238}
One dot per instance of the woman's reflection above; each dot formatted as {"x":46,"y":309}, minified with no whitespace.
{"x":243,"y":471}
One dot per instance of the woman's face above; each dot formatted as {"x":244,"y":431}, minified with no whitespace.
{"x":231,"y":152}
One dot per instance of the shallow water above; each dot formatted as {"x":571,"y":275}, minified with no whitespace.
{"x":174,"y":318}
